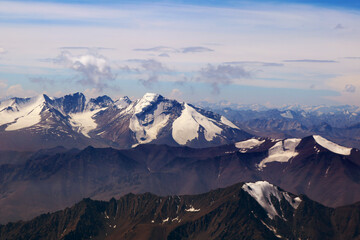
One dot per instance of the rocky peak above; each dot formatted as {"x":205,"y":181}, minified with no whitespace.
{"x":99,"y":102}
{"x":71,"y":103}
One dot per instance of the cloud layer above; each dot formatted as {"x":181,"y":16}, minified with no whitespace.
{"x":166,"y":50}
{"x":310,"y":61}
{"x":223,"y":74}
{"x":94,"y":70}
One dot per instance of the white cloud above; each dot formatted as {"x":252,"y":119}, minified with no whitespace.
{"x":18,"y":91}
{"x":94,"y":69}
{"x":223,"y":74}
{"x":3,"y":84}
{"x":175,"y":94}
{"x":91,"y":93}
{"x":350,"y":88}
{"x":2,"y":51}
{"x":149,"y":69}
{"x":346,"y":86}
{"x":164,"y":50}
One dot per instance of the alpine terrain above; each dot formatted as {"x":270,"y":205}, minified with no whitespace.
{"x":254,"y":210}
{"x":72,"y":121}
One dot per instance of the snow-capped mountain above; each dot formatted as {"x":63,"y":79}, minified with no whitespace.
{"x":73,"y":121}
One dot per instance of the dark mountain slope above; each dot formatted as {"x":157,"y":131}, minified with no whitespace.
{"x":229,"y":213}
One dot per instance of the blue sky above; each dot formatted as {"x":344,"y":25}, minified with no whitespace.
{"x":267,"y":52}
{"x":228,"y":3}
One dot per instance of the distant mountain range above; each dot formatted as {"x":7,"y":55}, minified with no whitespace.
{"x":257,"y":210}
{"x":52,"y":179}
{"x":72,"y":121}
{"x":317,"y":109}
{"x":340,"y":124}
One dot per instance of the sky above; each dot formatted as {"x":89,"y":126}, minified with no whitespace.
{"x":266,"y":52}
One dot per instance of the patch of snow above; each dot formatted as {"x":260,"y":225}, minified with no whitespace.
{"x":185,"y":128}
{"x":270,"y":228}
{"x":22,"y":115}
{"x":228,"y":152}
{"x":333,"y":147}
{"x":165,"y":220}
{"x":225,"y":121}
{"x":287,"y":114}
{"x":84,"y":122}
{"x":327,"y":171}
{"x":248,"y":144}
{"x":282,"y":151}
{"x":298,"y":201}
{"x":122,"y":102}
{"x":304,"y":114}
{"x":152,"y":221}
{"x":262,"y":191}
{"x":275,"y":140}
{"x":192,"y":209}
{"x":316,"y":150}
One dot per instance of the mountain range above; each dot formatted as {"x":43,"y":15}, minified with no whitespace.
{"x":254,"y":210}
{"x":72,"y":121}
{"x":52,"y":179}
{"x":340,"y":124}
{"x":56,"y":151}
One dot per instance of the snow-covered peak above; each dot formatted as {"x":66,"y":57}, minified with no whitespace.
{"x":262,"y":191}
{"x":145,"y":102}
{"x":186,"y":127}
{"x":150,"y":96}
{"x":21,"y":112}
{"x":123,"y":102}
{"x":333,"y":147}
{"x":248,"y":144}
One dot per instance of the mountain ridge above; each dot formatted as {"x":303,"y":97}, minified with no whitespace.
{"x":54,"y":179}
{"x":337,"y":123}
{"x":73,"y":121}
{"x":245,"y":210}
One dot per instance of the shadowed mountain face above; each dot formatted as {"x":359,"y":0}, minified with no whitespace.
{"x":53,"y":179}
{"x":28,"y":124}
{"x":243,"y":211}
